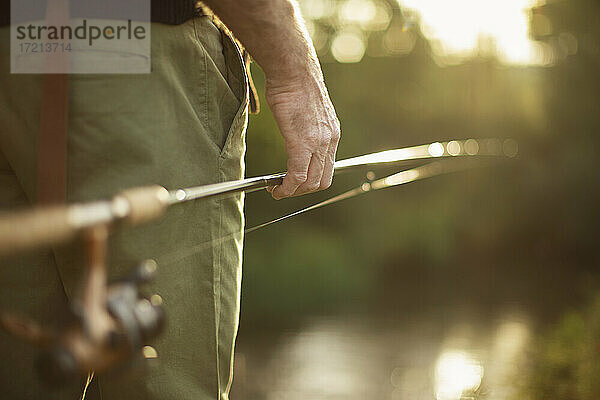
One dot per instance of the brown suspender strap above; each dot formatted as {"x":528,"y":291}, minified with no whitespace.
{"x":54,"y":119}
{"x":52,"y":151}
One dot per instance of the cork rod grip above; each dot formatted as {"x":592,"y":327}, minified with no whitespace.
{"x":49,"y":226}
{"x":41,"y":227}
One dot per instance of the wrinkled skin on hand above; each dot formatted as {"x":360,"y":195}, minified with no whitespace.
{"x":311,"y":130}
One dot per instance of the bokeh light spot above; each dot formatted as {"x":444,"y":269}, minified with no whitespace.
{"x":357,"y":11}
{"x":455,"y":373}
{"x":316,"y":9}
{"x":453,"y":148}
{"x":149,"y":352}
{"x":156,"y":300}
{"x":348,"y":47}
{"x":471,"y":147}
{"x":436,"y":149}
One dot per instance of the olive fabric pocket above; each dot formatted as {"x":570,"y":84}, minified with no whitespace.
{"x":224,"y":86}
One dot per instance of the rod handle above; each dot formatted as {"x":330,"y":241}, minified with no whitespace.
{"x":34,"y":228}
{"x":52,"y":225}
{"x":144,"y":203}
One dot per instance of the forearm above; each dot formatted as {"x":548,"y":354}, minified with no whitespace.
{"x":274,"y":34}
{"x":276,"y":37}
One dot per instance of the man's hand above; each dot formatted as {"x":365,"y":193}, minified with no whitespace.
{"x":311,"y":130}
{"x":276,"y":37}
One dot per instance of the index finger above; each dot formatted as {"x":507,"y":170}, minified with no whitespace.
{"x":296,"y":175}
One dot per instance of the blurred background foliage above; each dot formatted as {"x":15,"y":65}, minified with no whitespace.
{"x":517,"y":237}
{"x":566,"y":365}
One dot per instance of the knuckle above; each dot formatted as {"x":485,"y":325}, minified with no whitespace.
{"x":312,"y":186}
{"x":325,"y":139}
{"x":336,"y":134}
{"x":298,"y":177}
{"x":325,"y":184}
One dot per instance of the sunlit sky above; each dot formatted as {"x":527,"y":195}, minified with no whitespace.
{"x":457,"y":30}
{"x":461,"y":28}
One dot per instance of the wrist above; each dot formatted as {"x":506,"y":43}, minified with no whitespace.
{"x":294,"y":71}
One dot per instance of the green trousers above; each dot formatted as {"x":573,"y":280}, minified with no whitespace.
{"x":182,"y":125}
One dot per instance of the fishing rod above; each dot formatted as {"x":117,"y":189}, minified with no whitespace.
{"x":428,"y":170}
{"x":453,"y":148}
{"x":53,"y":225}
{"x":112,"y":323}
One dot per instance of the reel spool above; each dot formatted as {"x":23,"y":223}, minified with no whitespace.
{"x":109,"y":324}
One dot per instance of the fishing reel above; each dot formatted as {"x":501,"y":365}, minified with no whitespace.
{"x":108,"y":324}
